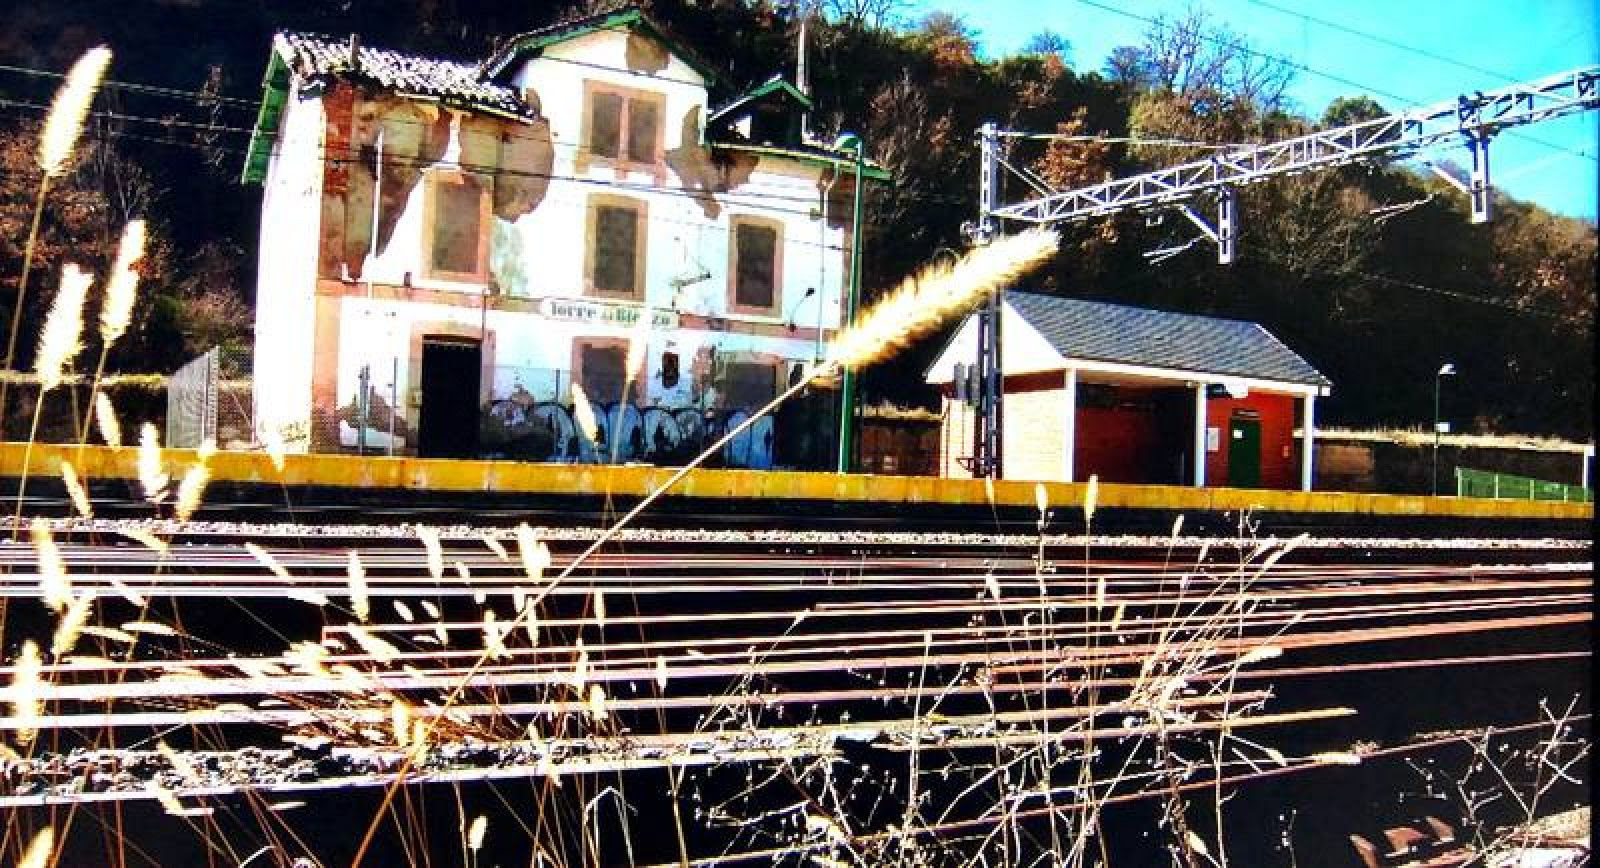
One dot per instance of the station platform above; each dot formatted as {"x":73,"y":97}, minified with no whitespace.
{"x":310,"y":480}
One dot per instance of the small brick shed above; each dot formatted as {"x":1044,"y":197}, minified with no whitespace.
{"x":1155,"y":397}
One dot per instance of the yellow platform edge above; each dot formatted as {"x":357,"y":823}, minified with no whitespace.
{"x":512,"y":477}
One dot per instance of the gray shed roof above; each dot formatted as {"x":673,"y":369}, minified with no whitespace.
{"x":310,"y":55}
{"x":1100,"y":331}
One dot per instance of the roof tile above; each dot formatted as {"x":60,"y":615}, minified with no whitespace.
{"x":312,"y":55}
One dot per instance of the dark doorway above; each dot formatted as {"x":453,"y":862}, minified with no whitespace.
{"x":1244,"y":452}
{"x":449,"y":424}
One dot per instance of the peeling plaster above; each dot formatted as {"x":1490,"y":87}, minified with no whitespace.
{"x":704,"y":172}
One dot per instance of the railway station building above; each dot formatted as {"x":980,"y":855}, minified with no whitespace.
{"x":449,"y":246}
{"x":1134,"y":395}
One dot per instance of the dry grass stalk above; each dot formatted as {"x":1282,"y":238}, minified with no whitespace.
{"x":26,"y":707}
{"x":110,"y":633}
{"x":146,"y":539}
{"x":192,"y":488}
{"x":40,"y":849}
{"x":64,"y":124}
{"x":151,"y":628}
{"x":933,"y":295}
{"x":54,"y":586}
{"x":356,"y":579}
{"x":123,"y":286}
{"x":494,"y":545}
{"x":180,"y":763}
{"x":378,"y":649}
{"x":75,"y":490}
{"x":62,"y":335}
{"x":661,"y":672}
{"x":105,"y":417}
{"x":71,"y":624}
{"x":400,"y":722}
{"x":152,"y":477}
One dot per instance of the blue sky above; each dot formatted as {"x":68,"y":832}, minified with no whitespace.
{"x":1477,"y":45}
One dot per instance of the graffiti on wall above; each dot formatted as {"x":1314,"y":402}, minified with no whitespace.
{"x":546,"y":431}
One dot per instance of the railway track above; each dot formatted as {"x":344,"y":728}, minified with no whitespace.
{"x":210,"y":679}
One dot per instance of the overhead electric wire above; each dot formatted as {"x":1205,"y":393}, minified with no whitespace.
{"x":1406,"y":102}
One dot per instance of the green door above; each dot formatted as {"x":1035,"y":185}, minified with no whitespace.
{"x":1244,"y":453}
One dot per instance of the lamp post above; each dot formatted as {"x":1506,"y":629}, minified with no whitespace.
{"x":847,"y":378}
{"x":1445,"y":370}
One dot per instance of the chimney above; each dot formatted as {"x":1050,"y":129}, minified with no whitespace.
{"x":355,"y":52}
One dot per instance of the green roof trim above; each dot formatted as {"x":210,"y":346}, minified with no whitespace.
{"x":772,"y":86}
{"x":868,"y":170}
{"x":275,"y":85}
{"x":539,"y":40}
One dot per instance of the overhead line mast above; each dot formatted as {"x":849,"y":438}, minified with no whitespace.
{"x":1476,"y":119}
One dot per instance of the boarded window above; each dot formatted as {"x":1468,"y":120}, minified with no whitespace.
{"x":605,"y":125}
{"x":748,"y":384}
{"x":456,"y":245}
{"x":755,"y":265}
{"x":624,"y":125}
{"x":600,"y":373}
{"x":643,"y":123}
{"x":616,"y":250}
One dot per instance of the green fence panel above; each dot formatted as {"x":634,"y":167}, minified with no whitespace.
{"x":1482,"y":483}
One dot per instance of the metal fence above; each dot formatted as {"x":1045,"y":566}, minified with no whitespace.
{"x":210,"y":398}
{"x":1482,"y":483}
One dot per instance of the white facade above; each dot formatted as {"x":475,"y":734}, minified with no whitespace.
{"x":342,"y":320}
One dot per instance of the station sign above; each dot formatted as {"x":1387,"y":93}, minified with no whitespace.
{"x":621,"y":314}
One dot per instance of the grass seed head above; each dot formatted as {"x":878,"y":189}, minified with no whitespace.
{"x":117,"y":311}
{"x":105,"y":417}
{"x":69,"y":110}
{"x":75,"y":490}
{"x":26,"y":707}
{"x":583,"y":415}
{"x":192,"y":488}
{"x":430,"y":543}
{"x":71,"y":624}
{"x":40,"y":849}
{"x":152,"y":477}
{"x":356,"y":579}
{"x":54,"y":586}
{"x":62,"y":335}
{"x":924,"y":301}
{"x":476,"y":832}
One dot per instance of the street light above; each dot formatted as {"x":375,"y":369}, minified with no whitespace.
{"x":1445,"y":370}
{"x":847,"y":378}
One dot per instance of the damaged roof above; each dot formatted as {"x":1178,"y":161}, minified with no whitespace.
{"x":310,"y":56}
{"x":1106,"y":332}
